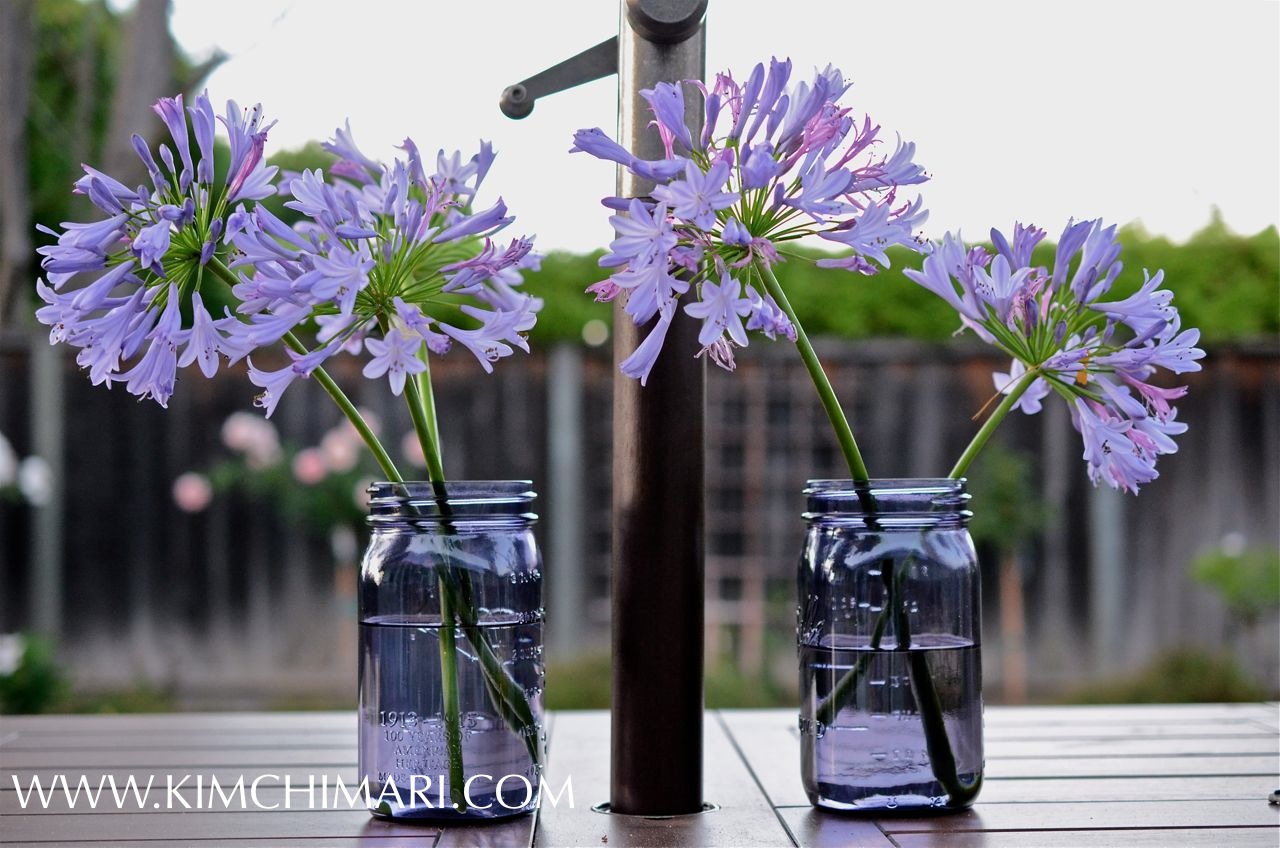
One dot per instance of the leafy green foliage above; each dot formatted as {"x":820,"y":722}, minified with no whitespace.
{"x":1184,"y":676}
{"x":68,"y":33}
{"x":560,"y":283}
{"x":1248,"y":580}
{"x":584,"y":684}
{"x":36,"y":684}
{"x":1010,"y":511}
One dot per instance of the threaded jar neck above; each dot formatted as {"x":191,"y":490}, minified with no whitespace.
{"x":457,"y":501}
{"x":904,"y":503}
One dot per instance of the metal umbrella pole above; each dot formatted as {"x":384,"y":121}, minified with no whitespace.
{"x":658,"y":568}
{"x":658,"y":583}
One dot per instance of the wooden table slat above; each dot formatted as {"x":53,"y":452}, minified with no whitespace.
{"x":581,"y":750}
{"x":1238,"y":837}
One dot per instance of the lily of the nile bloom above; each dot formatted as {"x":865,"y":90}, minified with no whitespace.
{"x":1064,"y":335}
{"x":120,"y":286}
{"x":777,"y":160}
{"x":388,"y":259}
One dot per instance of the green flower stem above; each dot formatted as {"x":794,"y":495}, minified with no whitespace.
{"x":353,"y":415}
{"x":828,"y":396}
{"x":428,"y":397}
{"x":423,"y":425}
{"x":449,"y":608}
{"x":989,"y":426}
{"x":449,"y":679}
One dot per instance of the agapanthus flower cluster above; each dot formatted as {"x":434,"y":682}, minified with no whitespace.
{"x":775,"y":161}
{"x":146,"y":261}
{"x":388,"y":257}
{"x":1063,"y":335}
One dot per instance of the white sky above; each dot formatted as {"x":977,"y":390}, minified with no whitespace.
{"x":1126,"y":109}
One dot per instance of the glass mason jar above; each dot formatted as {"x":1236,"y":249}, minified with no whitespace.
{"x":451,"y":669}
{"x":888,"y":634}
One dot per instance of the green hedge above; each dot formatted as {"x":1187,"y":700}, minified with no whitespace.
{"x":1226,"y":284}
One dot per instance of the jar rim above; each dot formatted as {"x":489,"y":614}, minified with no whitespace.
{"x":453,"y":488}
{"x":899,"y":485}
{"x":463,"y":500}
{"x":894,"y":502}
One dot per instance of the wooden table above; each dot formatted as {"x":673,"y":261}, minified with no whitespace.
{"x":1056,"y":776}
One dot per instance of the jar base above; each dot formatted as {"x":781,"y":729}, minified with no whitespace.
{"x":889,"y":805}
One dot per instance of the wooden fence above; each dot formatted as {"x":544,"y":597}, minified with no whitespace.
{"x":238,"y":605}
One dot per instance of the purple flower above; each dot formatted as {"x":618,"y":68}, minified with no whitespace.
{"x":644,"y":234}
{"x":734,"y":233}
{"x":249,"y":176}
{"x":1029,"y":403}
{"x":171,"y":112}
{"x":1112,"y":454}
{"x":107,"y":338}
{"x":151,"y":244}
{"x":1000,"y":287}
{"x":820,"y":192}
{"x":1176,"y":349}
{"x":667,"y":101}
{"x":640,"y":362}
{"x":697,"y":197}
{"x":1025,"y":238}
{"x":146,"y":262}
{"x":415,"y":320}
{"x":273,"y":384}
{"x":876,"y":229}
{"x":605,"y":290}
{"x":94,"y":295}
{"x":205,"y":342}
{"x":204,"y":124}
{"x":343,"y":146}
{"x":482,"y":223}
{"x":772,"y":164}
{"x":649,"y":288}
{"x":1147,"y":309}
{"x":766,"y":317}
{"x":1053,"y":325}
{"x":1157,"y":399}
{"x":759,"y":166}
{"x":599,"y":145}
{"x":945,"y":268}
{"x":153,"y":375}
{"x":340,"y":275}
{"x":721,"y":310}
{"x":395,"y":356}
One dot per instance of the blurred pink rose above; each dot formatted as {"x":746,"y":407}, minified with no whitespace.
{"x":192,"y":492}
{"x":340,"y":448}
{"x":309,"y":466}
{"x":254,"y":437}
